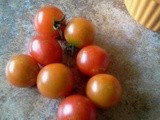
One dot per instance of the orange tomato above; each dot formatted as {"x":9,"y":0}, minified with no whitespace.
{"x":22,"y":70}
{"x":55,"y":80}
{"x":104,"y":90}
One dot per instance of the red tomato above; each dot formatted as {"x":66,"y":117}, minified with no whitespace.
{"x":22,"y":70}
{"x":104,"y":90}
{"x":46,"y":19}
{"x":45,"y":50}
{"x":92,"y":60}
{"x":79,"y":32}
{"x":55,"y":80}
{"x":76,"y":107}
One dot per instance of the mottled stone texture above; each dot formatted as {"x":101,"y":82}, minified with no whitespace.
{"x":135,"y":52}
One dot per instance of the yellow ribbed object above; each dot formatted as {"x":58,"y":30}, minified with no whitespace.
{"x":146,"y":12}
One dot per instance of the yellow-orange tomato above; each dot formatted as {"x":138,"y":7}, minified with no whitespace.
{"x":79,"y":32}
{"x":22,"y":70}
{"x":104,"y":90}
{"x":55,"y":80}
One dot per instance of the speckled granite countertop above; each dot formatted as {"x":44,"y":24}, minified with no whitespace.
{"x":135,"y":52}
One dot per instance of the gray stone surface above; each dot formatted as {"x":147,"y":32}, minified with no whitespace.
{"x":135,"y":52}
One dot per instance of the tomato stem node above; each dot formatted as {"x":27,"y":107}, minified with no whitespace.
{"x":71,"y":49}
{"x":57,"y":26}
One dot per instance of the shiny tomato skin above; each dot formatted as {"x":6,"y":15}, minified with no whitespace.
{"x":45,"y":18}
{"x":55,"y":80}
{"x":104,"y":90}
{"x":79,"y":32}
{"x":76,"y":107}
{"x":45,"y":50}
{"x":22,"y":70}
{"x":93,"y":60}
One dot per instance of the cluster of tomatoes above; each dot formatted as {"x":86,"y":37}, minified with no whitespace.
{"x":58,"y":66}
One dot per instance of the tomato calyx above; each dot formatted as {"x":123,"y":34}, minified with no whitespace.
{"x":57,"y":26}
{"x":70,"y":53}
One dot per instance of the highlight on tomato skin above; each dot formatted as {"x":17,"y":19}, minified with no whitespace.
{"x":22,"y":70}
{"x":93,"y":60}
{"x":76,"y":107}
{"x":79,"y":32}
{"x":45,"y":50}
{"x":46,"y":18}
{"x":55,"y":80}
{"x":104,"y":90}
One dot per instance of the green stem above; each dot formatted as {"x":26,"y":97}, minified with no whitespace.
{"x":57,"y":26}
{"x":71,"y":49}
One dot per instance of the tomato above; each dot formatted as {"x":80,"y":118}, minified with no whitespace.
{"x":104,"y":90}
{"x":55,"y":80}
{"x":22,"y":70}
{"x":79,"y":32}
{"x":45,"y":50}
{"x":46,"y":19}
{"x":76,"y":107}
{"x":92,"y":60}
